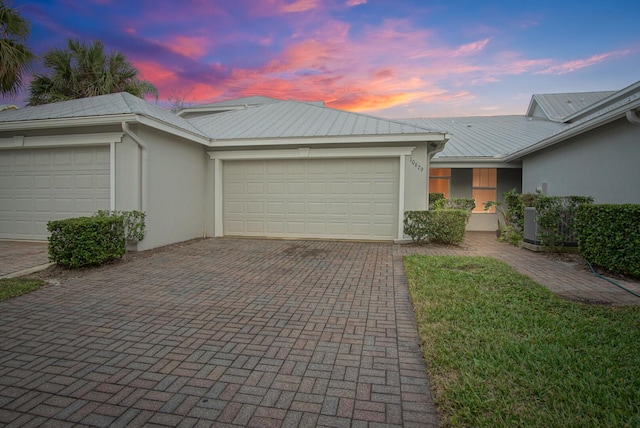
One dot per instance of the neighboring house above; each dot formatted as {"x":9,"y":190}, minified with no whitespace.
{"x":566,"y":144}
{"x":277,"y":169}
{"x":596,"y":153}
{"x":472,"y":164}
{"x":262,"y":167}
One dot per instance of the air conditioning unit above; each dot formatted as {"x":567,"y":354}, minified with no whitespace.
{"x":530,"y":226}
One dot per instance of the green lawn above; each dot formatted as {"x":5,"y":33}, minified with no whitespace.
{"x":13,"y":287}
{"x":501,"y":350}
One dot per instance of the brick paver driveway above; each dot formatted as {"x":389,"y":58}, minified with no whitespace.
{"x":224,"y":332}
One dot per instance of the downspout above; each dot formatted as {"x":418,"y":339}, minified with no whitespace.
{"x":633,"y":118}
{"x":142,"y":195}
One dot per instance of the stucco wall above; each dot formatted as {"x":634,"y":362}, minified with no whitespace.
{"x":176,"y":188}
{"x":602,"y":163}
{"x":417,"y":179}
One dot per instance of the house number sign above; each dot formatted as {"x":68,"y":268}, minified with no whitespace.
{"x":417,"y":166}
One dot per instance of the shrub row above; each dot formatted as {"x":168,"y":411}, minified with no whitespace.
{"x":82,"y":241}
{"x":439,"y":226}
{"x":609,"y":236}
{"x":556,"y":216}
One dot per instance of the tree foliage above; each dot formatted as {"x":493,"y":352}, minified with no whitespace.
{"x":80,"y":71}
{"x":15,"y":56}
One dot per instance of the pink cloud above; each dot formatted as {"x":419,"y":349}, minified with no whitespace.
{"x":192,"y":47}
{"x":352,"y":3}
{"x":298,"y":6}
{"x":571,"y":66}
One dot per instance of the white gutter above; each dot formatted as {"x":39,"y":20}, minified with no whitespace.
{"x":632,"y":117}
{"x":338,"y":139}
{"x":142,"y":195}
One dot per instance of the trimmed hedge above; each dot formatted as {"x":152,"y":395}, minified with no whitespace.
{"x":86,"y":241}
{"x":555,"y":216}
{"x":609,"y":236}
{"x":439,"y":226}
{"x":434,"y":198}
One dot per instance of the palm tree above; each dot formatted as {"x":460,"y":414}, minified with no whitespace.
{"x":15,"y":57}
{"x":81,"y":71}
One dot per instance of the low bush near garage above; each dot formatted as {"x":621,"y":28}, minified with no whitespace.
{"x":86,"y":241}
{"x":438,"y":226}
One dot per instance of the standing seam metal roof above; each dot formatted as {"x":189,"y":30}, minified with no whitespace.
{"x":102,"y":105}
{"x":291,"y":119}
{"x":487,"y":136}
{"x":558,"y":107}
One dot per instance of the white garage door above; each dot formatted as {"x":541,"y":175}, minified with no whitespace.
{"x":312,"y":198}
{"x":38,"y":185}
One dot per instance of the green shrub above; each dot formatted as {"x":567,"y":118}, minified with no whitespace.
{"x":134,"y":223}
{"x":464,"y":204}
{"x":555,"y":216}
{"x":439,"y":226}
{"x":84,"y":241}
{"x":434,"y":198}
{"x":609,"y":236}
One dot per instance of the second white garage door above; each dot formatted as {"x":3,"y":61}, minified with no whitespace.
{"x":312,"y":198}
{"x":38,"y":185}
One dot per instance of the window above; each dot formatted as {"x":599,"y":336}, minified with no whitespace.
{"x":484,"y":188}
{"x":439,"y":179}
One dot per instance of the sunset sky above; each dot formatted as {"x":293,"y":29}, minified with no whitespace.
{"x":390,"y":58}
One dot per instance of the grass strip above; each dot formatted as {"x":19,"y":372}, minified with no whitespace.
{"x":12,"y":287}
{"x":502,"y":350}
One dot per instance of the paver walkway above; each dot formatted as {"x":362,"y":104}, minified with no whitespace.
{"x":560,"y":277}
{"x":225,"y":332}
{"x":17,"y":256}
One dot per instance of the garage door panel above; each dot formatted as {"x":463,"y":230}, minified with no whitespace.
{"x":39,"y":185}
{"x":339,"y":198}
{"x":254,"y":207}
{"x":275,"y":227}
{"x":296,"y":188}
{"x":295,"y":208}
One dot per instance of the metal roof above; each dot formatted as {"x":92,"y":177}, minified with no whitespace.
{"x":607,"y":114}
{"x":487,"y":136}
{"x":293,"y":119}
{"x":102,"y":105}
{"x":254,"y":100}
{"x":557,"y":107}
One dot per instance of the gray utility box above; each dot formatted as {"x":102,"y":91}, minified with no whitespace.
{"x":530,"y":226}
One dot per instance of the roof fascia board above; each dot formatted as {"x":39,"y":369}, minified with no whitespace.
{"x":65,"y":122}
{"x":395,"y":138}
{"x":617,"y":96}
{"x":170,"y":129}
{"x":573,"y":131}
{"x":309,"y":153}
{"x":60,"y":140}
{"x":103,"y":120}
{"x":473,"y":163}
